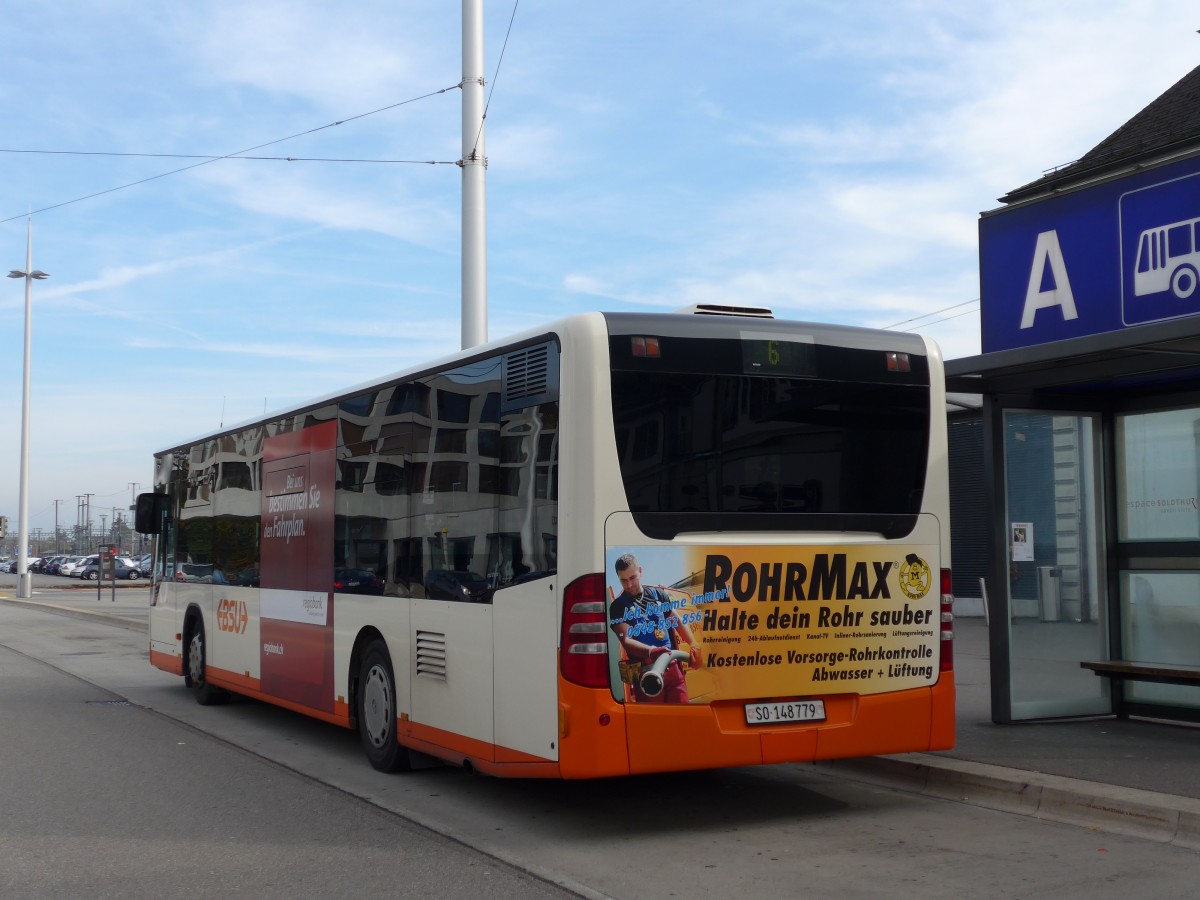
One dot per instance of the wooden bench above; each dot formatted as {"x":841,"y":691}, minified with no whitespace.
{"x":1127,"y":670}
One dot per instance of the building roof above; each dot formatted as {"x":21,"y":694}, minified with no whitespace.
{"x":1169,"y":123}
{"x":1142,"y":358}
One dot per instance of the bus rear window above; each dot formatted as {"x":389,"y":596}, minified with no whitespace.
{"x":843,"y":449}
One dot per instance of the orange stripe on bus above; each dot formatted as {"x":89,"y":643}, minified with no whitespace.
{"x":168,"y":662}
{"x":457,"y":746}
{"x":233,"y":681}
{"x":484,"y":756}
{"x":508,"y":756}
{"x":250,"y":687}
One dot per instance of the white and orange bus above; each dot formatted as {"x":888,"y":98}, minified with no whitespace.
{"x":621,"y":543}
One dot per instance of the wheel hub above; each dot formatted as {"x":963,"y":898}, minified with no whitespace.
{"x":195,"y":657}
{"x":377,"y":707}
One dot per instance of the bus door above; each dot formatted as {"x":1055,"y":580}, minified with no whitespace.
{"x":526,"y":663}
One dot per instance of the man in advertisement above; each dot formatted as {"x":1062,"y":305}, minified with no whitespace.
{"x":647,"y":629}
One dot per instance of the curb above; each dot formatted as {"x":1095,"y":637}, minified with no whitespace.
{"x":109,"y":618}
{"x":77,"y":587}
{"x":1164,"y":818}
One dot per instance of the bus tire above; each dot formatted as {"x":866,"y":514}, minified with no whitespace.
{"x":1183,"y":281}
{"x":376,"y":711}
{"x":196,"y":669}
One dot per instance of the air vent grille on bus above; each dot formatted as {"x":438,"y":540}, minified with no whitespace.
{"x":715,"y":309}
{"x":526,"y":373}
{"x":431,"y":655}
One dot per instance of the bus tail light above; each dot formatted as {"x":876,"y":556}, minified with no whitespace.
{"x":947,"y":623}
{"x":583,"y":648}
{"x":645,"y":347}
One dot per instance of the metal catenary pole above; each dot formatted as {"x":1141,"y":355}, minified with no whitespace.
{"x":474,"y":170}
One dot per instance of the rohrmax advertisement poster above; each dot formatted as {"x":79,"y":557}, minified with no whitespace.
{"x":700,"y":624}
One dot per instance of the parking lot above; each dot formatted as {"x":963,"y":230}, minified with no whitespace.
{"x":8,"y":583}
{"x":80,"y":567}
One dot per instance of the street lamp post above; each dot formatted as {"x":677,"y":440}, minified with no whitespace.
{"x":24,"y":580}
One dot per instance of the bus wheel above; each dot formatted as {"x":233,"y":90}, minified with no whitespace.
{"x":1183,"y":282}
{"x":376,"y":702}
{"x":196,"y":675}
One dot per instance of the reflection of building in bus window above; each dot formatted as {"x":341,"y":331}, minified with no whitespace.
{"x":639,"y":616}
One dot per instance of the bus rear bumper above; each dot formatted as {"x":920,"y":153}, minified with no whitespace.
{"x":665,"y":739}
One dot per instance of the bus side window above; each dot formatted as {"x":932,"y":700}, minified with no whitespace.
{"x":165,"y":562}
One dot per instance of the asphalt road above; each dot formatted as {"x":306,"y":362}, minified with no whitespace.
{"x":102,"y":798}
{"x":249,"y":799}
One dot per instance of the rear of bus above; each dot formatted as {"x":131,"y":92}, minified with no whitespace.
{"x":771,"y":503}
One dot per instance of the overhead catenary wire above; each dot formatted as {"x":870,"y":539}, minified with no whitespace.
{"x":936,"y":312}
{"x":939,"y":321}
{"x":209,"y":156}
{"x":206,"y":161}
{"x":495,"y":77}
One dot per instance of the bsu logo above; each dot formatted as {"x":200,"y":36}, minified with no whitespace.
{"x":232,"y":616}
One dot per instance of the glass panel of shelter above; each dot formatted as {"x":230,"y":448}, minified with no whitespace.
{"x":1056,"y":575}
{"x":1158,"y":527}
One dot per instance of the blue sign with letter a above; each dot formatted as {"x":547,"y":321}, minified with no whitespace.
{"x":1099,"y":259}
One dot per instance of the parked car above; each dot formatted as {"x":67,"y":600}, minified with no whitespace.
{"x":90,"y":570}
{"x":54,"y":566}
{"x":15,"y":564}
{"x":195,"y":573}
{"x":77,"y":571}
{"x":445,"y":584}
{"x":357,"y":581}
{"x":69,"y":565}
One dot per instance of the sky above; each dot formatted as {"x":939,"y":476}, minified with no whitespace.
{"x":826,"y":159}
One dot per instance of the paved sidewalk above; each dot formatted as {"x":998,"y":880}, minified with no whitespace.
{"x":1126,"y":775}
{"x":129,"y":605}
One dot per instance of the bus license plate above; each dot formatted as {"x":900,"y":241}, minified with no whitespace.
{"x":787,"y":711}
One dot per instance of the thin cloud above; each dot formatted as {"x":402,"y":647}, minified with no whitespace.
{"x":290,"y":196}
